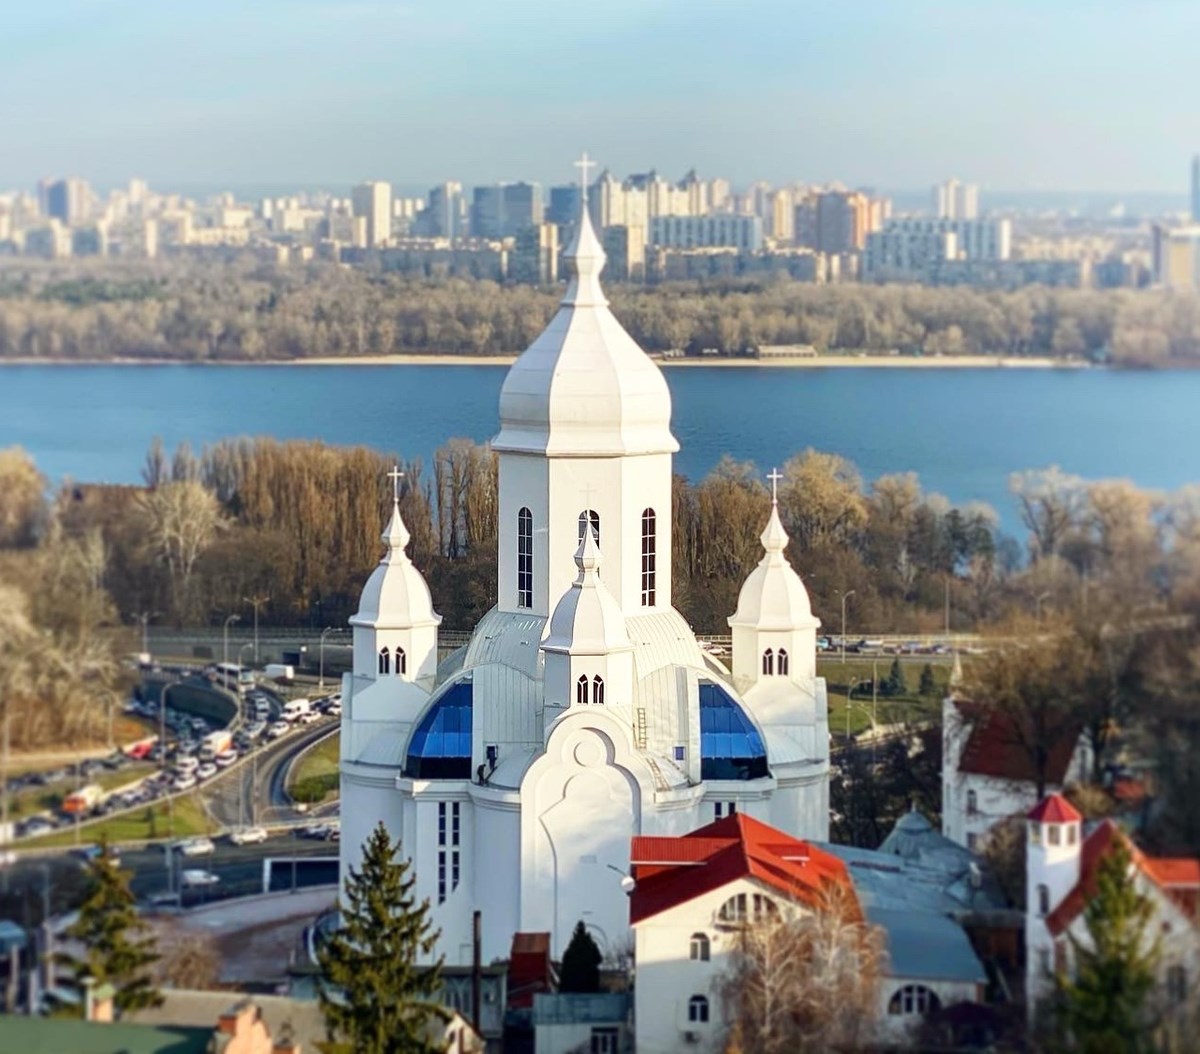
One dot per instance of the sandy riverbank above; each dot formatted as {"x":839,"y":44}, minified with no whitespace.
{"x":972,"y":362}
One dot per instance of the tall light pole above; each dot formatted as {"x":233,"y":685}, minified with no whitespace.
{"x":225,"y":656}
{"x":162,"y":764}
{"x":845,"y":596}
{"x":256,"y":602}
{"x":321,"y":674}
{"x":144,"y":618}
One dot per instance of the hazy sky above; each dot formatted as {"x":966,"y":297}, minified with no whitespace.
{"x":1016,"y":94}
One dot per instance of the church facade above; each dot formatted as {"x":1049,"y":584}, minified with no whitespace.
{"x":583,"y":711}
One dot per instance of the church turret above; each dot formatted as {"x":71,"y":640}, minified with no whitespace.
{"x":589,"y":657}
{"x":774,"y":629}
{"x":585,"y":438}
{"x":395,"y":628}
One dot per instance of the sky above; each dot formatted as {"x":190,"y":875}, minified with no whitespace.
{"x":1017,"y":95}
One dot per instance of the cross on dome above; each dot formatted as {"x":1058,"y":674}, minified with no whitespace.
{"x":587,"y":492}
{"x":583,"y":164}
{"x":395,"y":476}
{"x":775,"y":476}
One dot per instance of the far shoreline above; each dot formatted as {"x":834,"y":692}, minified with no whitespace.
{"x":957,"y":362}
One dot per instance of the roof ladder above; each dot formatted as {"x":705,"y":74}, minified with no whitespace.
{"x":639,"y":728}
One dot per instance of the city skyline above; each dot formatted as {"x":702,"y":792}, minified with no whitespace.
{"x":318,"y":93}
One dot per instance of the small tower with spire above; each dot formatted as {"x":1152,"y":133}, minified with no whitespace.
{"x":395,"y":628}
{"x":774,"y":629}
{"x":589,"y":656}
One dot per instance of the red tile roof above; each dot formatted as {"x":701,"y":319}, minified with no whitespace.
{"x":529,"y":969}
{"x":996,"y":746}
{"x":672,"y":871}
{"x":1178,"y":878}
{"x":1054,"y":808}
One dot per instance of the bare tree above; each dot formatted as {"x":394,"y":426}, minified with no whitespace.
{"x":179,"y":520}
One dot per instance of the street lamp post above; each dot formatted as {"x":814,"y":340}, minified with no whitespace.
{"x":321,"y":674}
{"x":144,"y":618}
{"x":845,"y":596}
{"x":256,"y":603}
{"x":225,"y":653}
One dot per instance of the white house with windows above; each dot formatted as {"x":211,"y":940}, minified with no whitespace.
{"x":1062,"y":862}
{"x":583,"y":711}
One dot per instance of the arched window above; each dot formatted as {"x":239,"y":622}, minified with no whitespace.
{"x":385,"y":661}
{"x":524,"y":559}
{"x":598,"y":690}
{"x":1043,"y":898}
{"x":593,"y":517}
{"x":649,"y":541}
{"x":700,"y":947}
{"x":972,"y":802}
{"x":781,"y":663}
{"x":581,"y":690}
{"x":913,"y":999}
{"x":740,"y":909}
{"x":401,"y":661}
{"x":768,"y":663}
{"x":698,"y":1010}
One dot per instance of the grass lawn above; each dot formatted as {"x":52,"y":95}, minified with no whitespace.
{"x":315,"y":776}
{"x":858,"y":672}
{"x":141,"y":824}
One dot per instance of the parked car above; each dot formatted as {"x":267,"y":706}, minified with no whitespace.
{"x":194,"y":877}
{"x":248,"y":836}
{"x":199,"y":846}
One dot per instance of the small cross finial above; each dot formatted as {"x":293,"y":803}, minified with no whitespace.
{"x":775,"y":476}
{"x":395,"y":476}
{"x":588,"y":491}
{"x":583,"y":164}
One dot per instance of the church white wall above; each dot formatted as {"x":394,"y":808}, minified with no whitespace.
{"x":368,"y":797}
{"x":645,"y":484}
{"x":496,"y":875}
{"x":523,"y":483}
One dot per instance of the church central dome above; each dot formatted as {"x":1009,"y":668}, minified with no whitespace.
{"x":584,"y":387}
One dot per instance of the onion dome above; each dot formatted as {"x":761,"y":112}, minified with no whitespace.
{"x":773,"y":597}
{"x":587,"y":620}
{"x":396,"y":595}
{"x":584,"y":387}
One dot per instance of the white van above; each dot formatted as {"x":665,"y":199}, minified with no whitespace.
{"x":294,"y":709}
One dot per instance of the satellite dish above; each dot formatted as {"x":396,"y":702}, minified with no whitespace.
{"x":628,"y":883}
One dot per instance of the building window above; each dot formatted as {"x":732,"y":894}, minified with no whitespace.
{"x":698,"y":1010}
{"x":768,"y":663}
{"x":605,"y":1040}
{"x":972,"y":841}
{"x":597,"y":691}
{"x":699,"y":948}
{"x":1176,"y":984}
{"x":781,"y":663}
{"x":401,"y":661}
{"x":449,"y":842}
{"x":913,"y":999}
{"x":592,"y":517}
{"x":1035,"y":834}
{"x":724,"y":808}
{"x":581,"y":690}
{"x":1072,"y":834}
{"x":742,"y":908}
{"x":1043,"y":899}
{"x":649,"y":540}
{"x":972,"y":803}
{"x":679,"y":753}
{"x":1052,"y":834}
{"x":524,"y":559}
{"x":385,"y":661}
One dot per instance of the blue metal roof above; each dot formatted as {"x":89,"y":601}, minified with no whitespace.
{"x":924,"y":945}
{"x":440,"y":748}
{"x":730,"y":746}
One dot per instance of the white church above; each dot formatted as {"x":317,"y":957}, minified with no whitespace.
{"x":583,"y":711}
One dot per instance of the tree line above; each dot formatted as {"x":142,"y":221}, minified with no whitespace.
{"x":243,"y":310}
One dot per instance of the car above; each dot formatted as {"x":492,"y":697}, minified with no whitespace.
{"x":35,"y":827}
{"x":256,"y":730}
{"x":279,"y":728}
{"x":206,"y":771}
{"x":198,"y":846}
{"x":186,"y":764}
{"x":318,"y":831}
{"x":226,"y":758}
{"x":183,"y":783}
{"x":334,"y":711}
{"x":312,"y":717}
{"x":195,"y":877}
{"x":248,"y":835}
{"x":88,"y":853}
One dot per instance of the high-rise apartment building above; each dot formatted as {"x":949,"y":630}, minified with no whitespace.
{"x":954,"y":200}
{"x":373,"y":202}
{"x":503,"y":209}
{"x":67,"y":200}
{"x":534,"y":258}
{"x":564,"y":205}
{"x":841,"y":221}
{"x":973,"y":239}
{"x":1176,"y":258}
{"x":444,"y":215}
{"x":694,"y":232}
{"x":625,"y":248}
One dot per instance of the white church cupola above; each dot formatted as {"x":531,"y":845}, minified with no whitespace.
{"x":1052,"y":853}
{"x":395,"y":627}
{"x":589,"y":656}
{"x":585,"y":432}
{"x":774,"y":629}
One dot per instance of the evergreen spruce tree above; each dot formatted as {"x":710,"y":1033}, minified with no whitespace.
{"x":928,"y":685}
{"x":1105,"y":1007}
{"x":115,"y":950}
{"x":374,"y":997}
{"x":581,"y":963}
{"x":895,"y":684}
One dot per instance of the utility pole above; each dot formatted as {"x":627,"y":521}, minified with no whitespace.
{"x":144,"y":618}
{"x":256,"y":602}
{"x":321,"y":675}
{"x":225,"y":650}
{"x":845,"y":596}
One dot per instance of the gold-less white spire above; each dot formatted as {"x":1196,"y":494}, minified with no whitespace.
{"x":395,"y":535}
{"x":585,"y":256}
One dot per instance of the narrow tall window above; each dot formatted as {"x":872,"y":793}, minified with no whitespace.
{"x":593,"y":517}
{"x":768,"y":663}
{"x":781,"y":663}
{"x":385,"y":661}
{"x":524,"y":559}
{"x":972,"y":802}
{"x":649,"y":540}
{"x":449,"y":832}
{"x":699,"y":950}
{"x":698,"y":1010}
{"x":1043,"y":899}
{"x":598,"y":691}
{"x":581,"y":690}
{"x":401,"y":661}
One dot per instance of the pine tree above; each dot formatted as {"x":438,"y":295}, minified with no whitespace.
{"x":895,"y":684}
{"x":1104,"y":1008}
{"x":115,"y":952}
{"x":928,"y":685}
{"x":581,"y":963}
{"x":374,"y":996}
